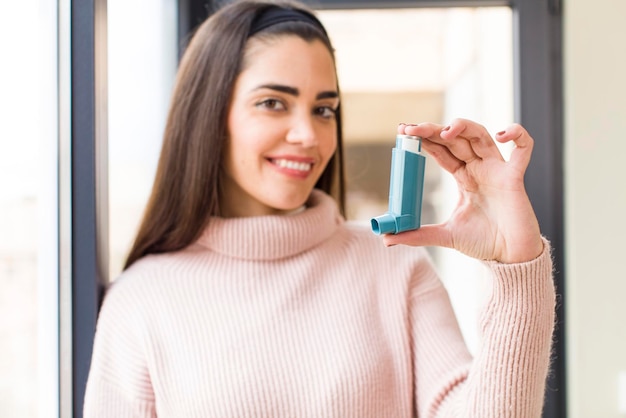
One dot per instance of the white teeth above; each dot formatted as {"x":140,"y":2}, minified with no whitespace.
{"x":293,"y":165}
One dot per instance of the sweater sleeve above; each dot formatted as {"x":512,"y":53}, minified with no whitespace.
{"x":507,"y":377}
{"x":119,"y":384}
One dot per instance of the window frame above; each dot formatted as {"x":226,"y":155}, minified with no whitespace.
{"x":83,"y":193}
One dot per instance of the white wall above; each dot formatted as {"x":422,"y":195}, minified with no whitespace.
{"x":595,"y":203}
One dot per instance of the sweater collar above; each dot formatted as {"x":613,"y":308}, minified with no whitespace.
{"x":275,"y":236}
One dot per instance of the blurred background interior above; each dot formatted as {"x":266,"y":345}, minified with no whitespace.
{"x":81,"y":120}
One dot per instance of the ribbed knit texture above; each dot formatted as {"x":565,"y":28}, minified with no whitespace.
{"x":309,"y":316}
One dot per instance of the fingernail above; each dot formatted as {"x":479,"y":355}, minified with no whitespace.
{"x":447,"y":128}
{"x":401,"y":123}
{"x":501,"y":133}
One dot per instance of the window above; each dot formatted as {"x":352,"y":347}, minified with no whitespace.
{"x":141,"y":77}
{"x":534,"y":34}
{"x":455,"y":62}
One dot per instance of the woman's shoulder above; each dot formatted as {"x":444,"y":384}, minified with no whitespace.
{"x":155,"y":267}
{"x":146,"y":279}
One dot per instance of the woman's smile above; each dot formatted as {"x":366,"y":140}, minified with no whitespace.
{"x":298,"y":167}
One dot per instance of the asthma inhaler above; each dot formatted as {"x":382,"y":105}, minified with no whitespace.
{"x":406,"y":188}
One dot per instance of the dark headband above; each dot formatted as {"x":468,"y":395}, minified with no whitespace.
{"x":274,"y":15}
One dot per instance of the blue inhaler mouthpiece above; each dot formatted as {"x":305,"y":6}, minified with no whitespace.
{"x":406,"y":188}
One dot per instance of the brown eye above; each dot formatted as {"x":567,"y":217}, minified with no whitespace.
{"x":271,"y":104}
{"x":326,"y":112}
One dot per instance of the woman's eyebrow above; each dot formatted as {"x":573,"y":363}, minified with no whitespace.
{"x":327,"y":95}
{"x":279,"y":87}
{"x":295,"y":92}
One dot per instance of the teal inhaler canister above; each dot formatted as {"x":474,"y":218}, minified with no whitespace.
{"x":406,"y":188}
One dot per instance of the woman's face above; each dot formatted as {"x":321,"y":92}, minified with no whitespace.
{"x":282,"y":127}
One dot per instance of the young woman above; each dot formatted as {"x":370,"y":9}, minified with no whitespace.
{"x":246,"y":294}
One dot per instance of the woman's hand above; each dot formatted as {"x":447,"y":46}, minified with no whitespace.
{"x":494,"y":219}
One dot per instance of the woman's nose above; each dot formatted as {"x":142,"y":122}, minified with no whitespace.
{"x":302,"y":132}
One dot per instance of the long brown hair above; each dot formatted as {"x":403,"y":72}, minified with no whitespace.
{"x":185,"y":193}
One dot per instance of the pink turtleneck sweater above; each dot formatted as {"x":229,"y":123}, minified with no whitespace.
{"x":309,"y":316}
